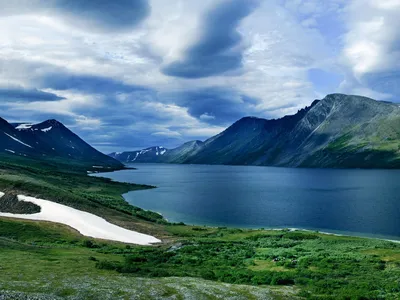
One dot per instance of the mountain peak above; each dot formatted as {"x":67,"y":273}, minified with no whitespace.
{"x":339,"y":97}
{"x":336,"y":95}
{"x":50,"y":123}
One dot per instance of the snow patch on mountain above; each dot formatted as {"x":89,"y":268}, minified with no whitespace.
{"x":24,"y":126}
{"x":137,"y":154}
{"x":47,"y":129}
{"x":17,"y":140}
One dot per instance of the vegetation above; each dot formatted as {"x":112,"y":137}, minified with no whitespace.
{"x":69,"y":185}
{"x":51,"y":259}
{"x":326,"y":267}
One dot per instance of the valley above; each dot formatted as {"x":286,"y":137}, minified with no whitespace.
{"x":51,"y":260}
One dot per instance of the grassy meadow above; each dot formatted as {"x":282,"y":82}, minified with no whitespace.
{"x":48,"y":260}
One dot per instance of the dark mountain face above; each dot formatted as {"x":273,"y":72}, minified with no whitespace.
{"x":50,"y":140}
{"x":338,"y":131}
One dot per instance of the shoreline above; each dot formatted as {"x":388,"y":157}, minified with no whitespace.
{"x":344,"y":234}
{"x":355,"y":235}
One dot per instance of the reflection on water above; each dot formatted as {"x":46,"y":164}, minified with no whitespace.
{"x":358,"y":201}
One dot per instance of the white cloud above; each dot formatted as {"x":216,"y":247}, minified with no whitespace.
{"x":371,"y":50}
{"x":282,"y":41}
{"x":206,"y":117}
{"x":167,"y":133}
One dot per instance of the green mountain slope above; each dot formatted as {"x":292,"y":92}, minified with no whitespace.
{"x":338,"y":131}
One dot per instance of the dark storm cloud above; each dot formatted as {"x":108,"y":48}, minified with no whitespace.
{"x":21,"y":94}
{"x":104,"y":14}
{"x":87,"y":83}
{"x":217,"y":106}
{"x":93,"y":15}
{"x":214,"y":53}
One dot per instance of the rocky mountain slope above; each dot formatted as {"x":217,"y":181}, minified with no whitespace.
{"x":50,"y":140}
{"x":337,"y":131}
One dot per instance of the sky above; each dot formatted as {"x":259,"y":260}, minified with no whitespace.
{"x":130,"y":74}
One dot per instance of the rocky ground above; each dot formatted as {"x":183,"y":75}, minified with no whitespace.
{"x":122,"y":287}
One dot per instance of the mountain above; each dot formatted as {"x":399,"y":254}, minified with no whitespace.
{"x":184,"y":152}
{"x":159,"y":154}
{"x":152,"y":154}
{"x":341,"y":131}
{"x":51,"y":140}
{"x":338,"y":131}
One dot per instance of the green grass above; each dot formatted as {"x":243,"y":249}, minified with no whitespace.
{"x":52,"y":259}
{"x":74,"y":188}
{"x":326,"y":267}
{"x":315,"y":265}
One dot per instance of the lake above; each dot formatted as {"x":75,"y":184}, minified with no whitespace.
{"x":355,"y":202}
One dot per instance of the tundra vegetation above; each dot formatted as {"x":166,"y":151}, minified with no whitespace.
{"x":52,"y":260}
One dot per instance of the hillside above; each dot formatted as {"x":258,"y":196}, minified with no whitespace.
{"x":51,"y":141}
{"x":338,"y":131}
{"x":159,"y":154}
{"x":152,"y":154}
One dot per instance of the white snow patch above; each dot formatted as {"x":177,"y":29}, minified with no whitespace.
{"x":8,"y":150}
{"x":87,"y":224}
{"x":163,"y":152}
{"x":137,"y":154}
{"x":98,"y":167}
{"x":47,"y":129}
{"x":17,"y":140}
{"x":144,"y":151}
{"x":24,"y":126}
{"x":1,"y":194}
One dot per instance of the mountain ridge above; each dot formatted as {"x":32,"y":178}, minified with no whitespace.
{"x":50,"y":140}
{"x":338,"y":131}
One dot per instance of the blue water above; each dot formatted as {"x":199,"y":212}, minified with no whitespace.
{"x":359,"y":202}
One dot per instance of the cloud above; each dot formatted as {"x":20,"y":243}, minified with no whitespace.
{"x":92,"y":15}
{"x":25,"y":95}
{"x":206,"y":117}
{"x":218,"y":48}
{"x":371,"y":52}
{"x":187,"y":69}
{"x":214,"y":105}
{"x":167,"y":133}
{"x":86,"y":83}
{"x":103,"y":15}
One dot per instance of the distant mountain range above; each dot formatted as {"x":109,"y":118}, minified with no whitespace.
{"x":51,"y":140}
{"x":340,"y":131}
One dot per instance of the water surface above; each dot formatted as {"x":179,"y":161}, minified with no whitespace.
{"x":360,"y":202}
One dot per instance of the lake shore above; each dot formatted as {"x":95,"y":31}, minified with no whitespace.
{"x":293,"y":264}
{"x":274,"y":197}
